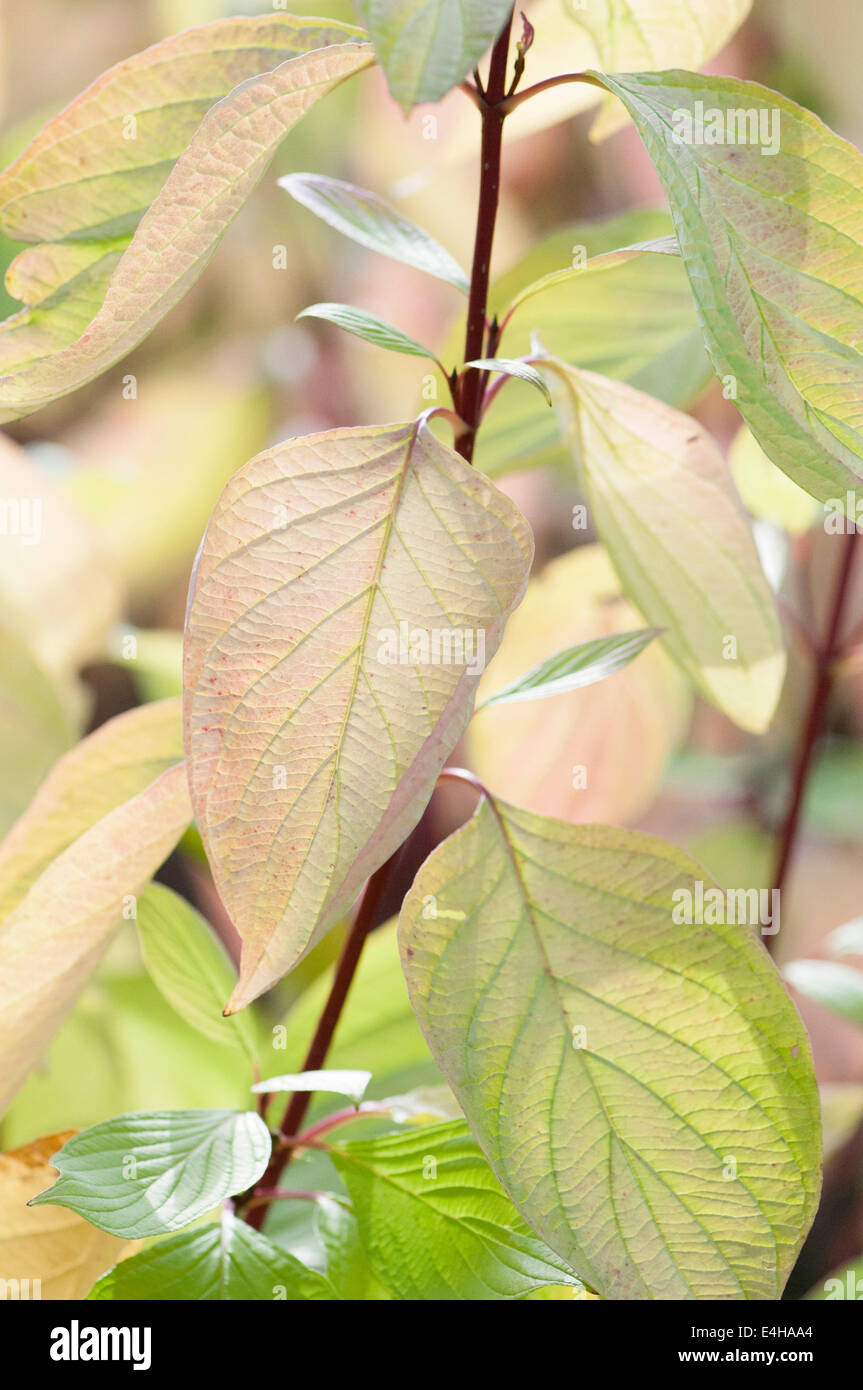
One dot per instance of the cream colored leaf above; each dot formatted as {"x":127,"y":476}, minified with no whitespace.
{"x":349,"y":589}
{"x":597,"y":753}
{"x":97,"y":165}
{"x":642,"y":1088}
{"x":56,"y":935}
{"x":648,"y":35}
{"x":662,"y":500}
{"x":187,"y":217}
{"x":105,"y":769}
{"x":47,"y":1252}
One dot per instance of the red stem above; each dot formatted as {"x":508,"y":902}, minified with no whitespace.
{"x":825,"y":658}
{"x":472,"y":383}
{"x":363,"y":923}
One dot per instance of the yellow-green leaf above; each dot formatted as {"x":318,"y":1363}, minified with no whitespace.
{"x":57,"y":343}
{"x":768,"y":494}
{"x":768,"y":208}
{"x":350,"y":587}
{"x":644,"y":35}
{"x":36,"y":727}
{"x":107,"y":768}
{"x":56,"y":935}
{"x":643,"y":1089}
{"x":663,"y":503}
{"x":190,"y":967}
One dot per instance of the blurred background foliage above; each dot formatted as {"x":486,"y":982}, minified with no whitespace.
{"x":130,"y":467}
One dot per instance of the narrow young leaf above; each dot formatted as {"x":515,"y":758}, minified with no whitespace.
{"x":600,"y":754}
{"x":554,"y":279}
{"x":189,"y":966}
{"x":58,"y":1251}
{"x":623,"y":313}
{"x":768,"y":207}
{"x":836,"y":987}
{"x":663,"y":503}
{"x":583,"y":664}
{"x":55,"y":937}
{"x":374,"y":223}
{"x":512,"y":367}
{"x":343,"y":1083}
{"x":426,"y":47}
{"x":229,"y":1262}
{"x":143,"y":1175}
{"x":434,"y":1222}
{"x":348,"y":591}
{"x":670,"y":1147}
{"x":58,"y":344}
{"x":367,"y":326}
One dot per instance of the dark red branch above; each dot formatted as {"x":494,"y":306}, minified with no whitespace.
{"x":826,"y":654}
{"x":472,"y":384}
{"x":364,"y":922}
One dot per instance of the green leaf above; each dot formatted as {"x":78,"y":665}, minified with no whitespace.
{"x":322,"y":558}
{"x":629,"y":316}
{"x":348,"y":1269}
{"x":836,"y":987}
{"x":377,"y":1029}
{"x":434,"y":1222}
{"x":662,"y":501}
{"x":374,"y":223}
{"x":583,"y":664}
{"x":512,"y":367}
{"x":228,"y":1262}
{"x":643,"y":1089}
{"x":342,"y":1082}
{"x":190,"y":967}
{"x":145,"y":1174}
{"x":770,"y":226}
{"x":87,"y":309}
{"x":367,"y":326}
{"x":426,"y":47}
